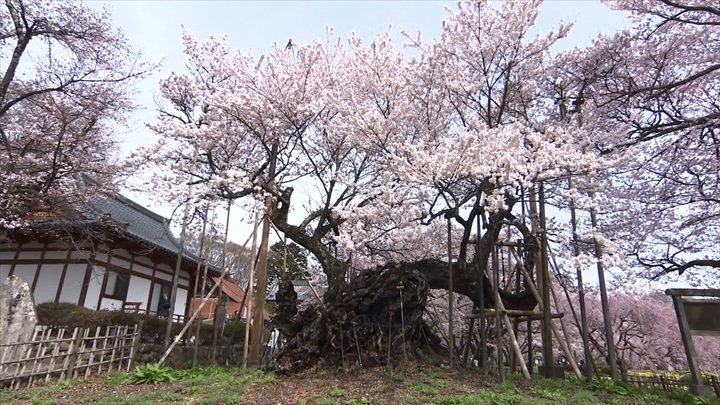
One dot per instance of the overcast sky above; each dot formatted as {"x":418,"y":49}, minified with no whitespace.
{"x":154,"y":28}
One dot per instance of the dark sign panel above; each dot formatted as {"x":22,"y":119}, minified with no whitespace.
{"x":703,"y":317}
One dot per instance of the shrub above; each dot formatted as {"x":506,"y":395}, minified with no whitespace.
{"x":151,"y":373}
{"x":72,"y":316}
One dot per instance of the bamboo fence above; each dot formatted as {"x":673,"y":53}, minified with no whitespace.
{"x":57,"y":352}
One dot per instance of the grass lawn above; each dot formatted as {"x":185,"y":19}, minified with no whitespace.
{"x":415,"y":384}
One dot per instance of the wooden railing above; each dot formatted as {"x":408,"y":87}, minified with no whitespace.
{"x":667,"y":383}
{"x":134,"y":308}
{"x":55,"y":352}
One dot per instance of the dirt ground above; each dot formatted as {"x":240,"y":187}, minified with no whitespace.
{"x":366,"y":386}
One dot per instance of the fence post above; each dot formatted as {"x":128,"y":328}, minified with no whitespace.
{"x":73,"y":353}
{"x":135,"y":344}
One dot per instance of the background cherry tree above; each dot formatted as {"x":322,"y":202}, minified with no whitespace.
{"x":65,"y":77}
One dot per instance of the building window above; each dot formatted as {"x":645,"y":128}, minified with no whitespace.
{"x":117,"y":285}
{"x":161,"y":299}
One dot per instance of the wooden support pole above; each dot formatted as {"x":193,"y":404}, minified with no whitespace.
{"x":563,"y":342}
{"x":249,"y":292}
{"x":197,"y":311}
{"x":451,"y":295}
{"x":218,"y":323}
{"x":176,"y":275}
{"x":256,"y":342}
{"x":547,"y":323}
{"x":196,"y":285}
{"x":609,"y":335}
{"x":500,"y":317}
{"x":481,"y":323}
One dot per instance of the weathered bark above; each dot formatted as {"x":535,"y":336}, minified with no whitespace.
{"x":364,"y":324}
{"x":362,"y":321}
{"x":366,"y":313}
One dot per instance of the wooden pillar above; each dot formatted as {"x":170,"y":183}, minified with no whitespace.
{"x":609,"y":335}
{"x":548,"y":360}
{"x":262,"y":268}
{"x":451,"y":295}
{"x":482,"y":325}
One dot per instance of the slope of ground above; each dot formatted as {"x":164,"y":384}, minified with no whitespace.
{"x":414,"y":384}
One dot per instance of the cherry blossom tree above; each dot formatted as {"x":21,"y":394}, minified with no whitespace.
{"x":65,"y":77}
{"x":388,"y":150}
{"x":658,"y":84}
{"x":647,"y":335}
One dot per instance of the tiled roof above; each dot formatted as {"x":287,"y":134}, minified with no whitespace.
{"x":139,"y":222}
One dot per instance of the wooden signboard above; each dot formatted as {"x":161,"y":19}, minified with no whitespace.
{"x":698,"y":314}
{"x":703,"y":316}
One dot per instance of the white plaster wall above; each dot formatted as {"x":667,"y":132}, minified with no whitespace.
{"x":48,"y":283}
{"x":184,"y":274}
{"x":4,"y":272}
{"x":163,"y":276}
{"x":80,"y":254}
{"x":164,"y":267}
{"x":72,"y":286}
{"x":101,"y":257}
{"x":138,"y":291}
{"x":144,"y":260}
{"x":142,"y":269}
{"x":26,"y":272}
{"x":111,"y":304}
{"x":122,"y":253}
{"x":94,"y":286}
{"x":7,"y":255}
{"x":120,"y":262}
{"x":32,"y":245}
{"x":29,"y":255}
{"x":56,"y":254}
{"x":180,"y":300}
